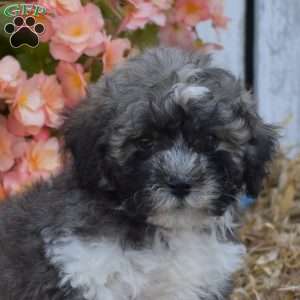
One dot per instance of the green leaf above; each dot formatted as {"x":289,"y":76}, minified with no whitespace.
{"x":5,"y":48}
{"x":3,"y":21}
{"x":35,"y":60}
{"x":96,"y":70}
{"x":82,"y":59}
{"x":46,"y":61}
{"x":28,"y":63}
{"x":144,"y":38}
{"x":112,"y":17}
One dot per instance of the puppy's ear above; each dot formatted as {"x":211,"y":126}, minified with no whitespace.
{"x":259,"y":151}
{"x":86,"y":136}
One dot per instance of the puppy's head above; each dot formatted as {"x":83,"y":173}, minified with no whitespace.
{"x":168,"y":135}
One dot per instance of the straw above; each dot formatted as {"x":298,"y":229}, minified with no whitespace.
{"x":271,"y":232}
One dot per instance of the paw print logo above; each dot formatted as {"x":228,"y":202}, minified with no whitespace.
{"x":24,"y":32}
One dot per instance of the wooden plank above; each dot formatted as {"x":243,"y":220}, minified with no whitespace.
{"x":232,"y":39}
{"x":277,"y":66}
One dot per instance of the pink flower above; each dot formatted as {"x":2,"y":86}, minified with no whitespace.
{"x":46,"y":20}
{"x":27,"y":106}
{"x":53,"y":99}
{"x":177,"y":35}
{"x":18,"y":129}
{"x":72,"y":81}
{"x":114,"y":53}
{"x":78,"y":33}
{"x":40,"y":159}
{"x":43,"y":158}
{"x":217,"y":13}
{"x":191,"y":12}
{"x":54,"y":8}
{"x":7,"y":158}
{"x":43,"y":135}
{"x":163,"y":4}
{"x":11,"y":76}
{"x":11,"y":147}
{"x":39,"y":101}
{"x":61,"y":7}
{"x":139,"y":13}
{"x":17,"y":180}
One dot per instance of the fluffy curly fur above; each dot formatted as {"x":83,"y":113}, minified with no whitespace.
{"x":161,"y":150}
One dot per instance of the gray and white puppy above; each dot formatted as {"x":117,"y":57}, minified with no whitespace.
{"x":162,"y":150}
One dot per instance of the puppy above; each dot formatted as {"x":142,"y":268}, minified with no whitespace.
{"x":161,"y":152}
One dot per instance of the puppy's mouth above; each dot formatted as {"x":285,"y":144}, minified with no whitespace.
{"x":182,"y":212}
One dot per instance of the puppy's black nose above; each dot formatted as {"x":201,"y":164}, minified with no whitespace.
{"x":179,"y":188}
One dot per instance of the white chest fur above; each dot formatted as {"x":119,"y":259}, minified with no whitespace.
{"x":192,"y":266}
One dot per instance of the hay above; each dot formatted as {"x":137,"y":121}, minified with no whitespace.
{"x":272,"y":236}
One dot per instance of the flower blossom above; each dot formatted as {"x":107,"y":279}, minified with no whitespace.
{"x":114,"y":53}
{"x":43,"y":158}
{"x":11,"y":76}
{"x":48,"y":32}
{"x":72,"y":81}
{"x":53,"y":100}
{"x":78,"y":33}
{"x":40,"y":158}
{"x":61,"y":7}
{"x":191,"y":12}
{"x":11,"y":147}
{"x":16,"y":180}
{"x":39,"y":101}
{"x":139,"y":13}
{"x":163,"y":4}
{"x":217,"y":14}
{"x":174,"y":34}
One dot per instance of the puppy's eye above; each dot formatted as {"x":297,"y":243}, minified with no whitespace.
{"x":206,"y":143}
{"x":253,"y":141}
{"x":145,"y":144}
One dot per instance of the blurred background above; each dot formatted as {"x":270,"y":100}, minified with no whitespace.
{"x":52,"y":50}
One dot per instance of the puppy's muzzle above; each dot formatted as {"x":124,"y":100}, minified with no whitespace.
{"x":179,"y":188}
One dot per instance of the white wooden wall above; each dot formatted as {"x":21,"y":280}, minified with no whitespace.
{"x":276,"y":60}
{"x":232,"y":39}
{"x":277,"y":64}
